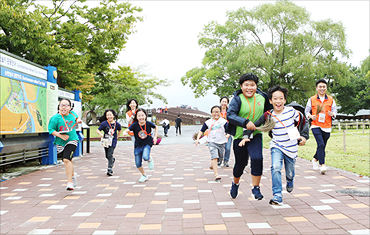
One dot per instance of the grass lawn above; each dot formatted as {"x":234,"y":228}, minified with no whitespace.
{"x":355,"y":159}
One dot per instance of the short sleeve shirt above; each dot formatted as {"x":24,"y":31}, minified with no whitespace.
{"x":57,"y":123}
{"x":142,"y":138}
{"x":106,"y":128}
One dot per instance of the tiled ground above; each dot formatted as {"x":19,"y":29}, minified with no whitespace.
{"x":180,"y":197}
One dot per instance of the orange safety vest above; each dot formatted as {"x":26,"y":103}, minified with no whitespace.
{"x":328,"y":102}
{"x":129,"y":124}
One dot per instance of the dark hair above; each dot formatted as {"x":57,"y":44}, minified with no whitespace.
{"x":178,"y":115}
{"x":321,"y":81}
{"x":104,"y":117}
{"x":128,"y":104}
{"x":248,"y":77}
{"x":224,"y":97}
{"x":277,"y":88}
{"x":69,"y":101}
{"x":137,"y":111}
{"x":216,"y":106}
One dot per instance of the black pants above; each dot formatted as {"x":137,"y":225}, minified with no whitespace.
{"x":178,"y":128}
{"x":109,"y":155}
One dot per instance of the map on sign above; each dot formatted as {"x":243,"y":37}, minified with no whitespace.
{"x":23,"y":107}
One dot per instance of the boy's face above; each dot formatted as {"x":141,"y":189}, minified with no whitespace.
{"x":216,"y":113}
{"x":321,"y":88}
{"x":249,"y":88}
{"x":278,"y":100}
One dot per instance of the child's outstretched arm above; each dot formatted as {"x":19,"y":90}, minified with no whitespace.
{"x":198,"y":137}
{"x":155,"y":135}
{"x":125,"y":132}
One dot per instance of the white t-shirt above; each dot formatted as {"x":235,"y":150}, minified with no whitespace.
{"x":217,"y":130}
{"x":280,"y":138}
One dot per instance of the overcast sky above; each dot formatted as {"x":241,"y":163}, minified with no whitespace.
{"x":166,"y":42}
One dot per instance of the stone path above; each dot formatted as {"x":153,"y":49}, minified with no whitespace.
{"x":180,"y":197}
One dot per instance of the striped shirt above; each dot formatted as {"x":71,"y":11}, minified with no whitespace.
{"x":280,"y":137}
{"x":60,"y":148}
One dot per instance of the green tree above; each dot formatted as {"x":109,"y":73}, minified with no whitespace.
{"x":276,"y":41}
{"x":122,"y":84}
{"x":80,"y":41}
{"x":350,"y":95}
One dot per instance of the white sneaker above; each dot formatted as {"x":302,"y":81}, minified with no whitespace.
{"x":315,"y":164}
{"x":323,"y":169}
{"x":74,"y":180}
{"x":70,"y":186}
{"x":143,"y":178}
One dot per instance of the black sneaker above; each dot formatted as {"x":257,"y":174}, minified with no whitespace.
{"x":234,"y":190}
{"x":289,"y":186}
{"x":109,"y":173}
{"x":256,"y":193}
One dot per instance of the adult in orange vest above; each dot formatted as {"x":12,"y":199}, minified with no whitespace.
{"x":321,"y":124}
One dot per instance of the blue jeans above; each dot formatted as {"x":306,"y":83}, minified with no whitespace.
{"x":321,"y":138}
{"x":228,"y":148}
{"x":277,"y":158}
{"x":141,"y":153}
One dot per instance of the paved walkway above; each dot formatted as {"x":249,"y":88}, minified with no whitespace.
{"x":180,"y":197}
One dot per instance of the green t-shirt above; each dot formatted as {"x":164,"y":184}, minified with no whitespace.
{"x":56,"y":123}
{"x":247,"y":110}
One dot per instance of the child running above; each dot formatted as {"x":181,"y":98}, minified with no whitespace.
{"x":290,"y":130}
{"x":110,"y":127}
{"x":143,"y":141}
{"x":216,"y":137}
{"x":61,"y":125}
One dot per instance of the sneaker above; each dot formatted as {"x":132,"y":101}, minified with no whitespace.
{"x":234,"y":190}
{"x":323,"y":169}
{"x":74,"y":180}
{"x":70,"y":186}
{"x":276,"y":200}
{"x":256,"y":193}
{"x":315,"y":164}
{"x":143,"y":178}
{"x":151,"y":164}
{"x":289,"y":187}
{"x":226,"y":163}
{"x":219,"y":162}
{"x":109,"y":173}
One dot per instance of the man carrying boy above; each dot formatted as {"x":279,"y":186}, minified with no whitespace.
{"x":321,"y":121}
{"x":247,"y":106}
{"x":290,"y":130}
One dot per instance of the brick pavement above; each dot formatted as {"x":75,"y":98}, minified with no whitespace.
{"x":180,"y":197}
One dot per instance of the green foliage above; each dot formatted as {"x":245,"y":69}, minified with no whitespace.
{"x":277,"y":42}
{"x":354,"y":94}
{"x":117,"y":86}
{"x":80,"y":41}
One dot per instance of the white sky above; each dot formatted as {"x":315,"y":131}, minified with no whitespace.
{"x":167,"y":40}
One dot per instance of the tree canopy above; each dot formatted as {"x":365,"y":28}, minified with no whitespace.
{"x":82,"y":40}
{"x":276,"y":41}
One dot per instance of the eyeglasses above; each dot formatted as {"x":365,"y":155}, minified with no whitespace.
{"x":64,"y":105}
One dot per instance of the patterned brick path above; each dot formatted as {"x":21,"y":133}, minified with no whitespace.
{"x":180,"y":197}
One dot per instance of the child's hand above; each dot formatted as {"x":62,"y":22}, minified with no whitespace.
{"x":79,"y":120}
{"x":302,"y":142}
{"x":155,"y":140}
{"x":196,"y":142}
{"x":64,"y":137}
{"x":242,"y":143}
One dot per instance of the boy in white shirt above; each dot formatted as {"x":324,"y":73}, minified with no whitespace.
{"x":290,"y":130}
{"x":217,"y":137}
